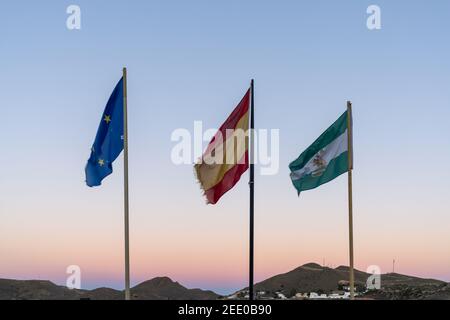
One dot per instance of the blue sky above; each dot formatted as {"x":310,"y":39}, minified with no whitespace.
{"x":192,"y":61}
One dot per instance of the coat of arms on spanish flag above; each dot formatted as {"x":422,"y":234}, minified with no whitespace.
{"x":226,"y":157}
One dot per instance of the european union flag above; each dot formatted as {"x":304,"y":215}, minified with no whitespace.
{"x":109,"y":140}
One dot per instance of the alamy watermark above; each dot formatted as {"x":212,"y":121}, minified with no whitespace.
{"x":374,"y":19}
{"x":73,"y":281}
{"x":73,"y":21}
{"x":374,"y":280}
{"x":227,"y":148}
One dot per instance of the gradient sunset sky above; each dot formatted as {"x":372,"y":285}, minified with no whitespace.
{"x":193,"y":60}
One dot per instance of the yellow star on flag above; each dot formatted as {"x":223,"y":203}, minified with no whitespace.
{"x":107,"y":119}
{"x":101,"y":162}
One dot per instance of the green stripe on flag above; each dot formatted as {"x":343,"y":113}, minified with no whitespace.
{"x":336,"y":129}
{"x":335,"y":168}
{"x":324,"y":160}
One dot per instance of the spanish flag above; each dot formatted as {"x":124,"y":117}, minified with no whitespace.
{"x":226,"y":157}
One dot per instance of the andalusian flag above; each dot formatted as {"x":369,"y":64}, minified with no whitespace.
{"x":326,"y":159}
{"x":226,"y":157}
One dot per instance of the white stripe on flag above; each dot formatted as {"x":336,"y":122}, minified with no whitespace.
{"x":330,"y":152}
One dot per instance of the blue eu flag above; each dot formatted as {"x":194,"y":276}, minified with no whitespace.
{"x":109,"y":140}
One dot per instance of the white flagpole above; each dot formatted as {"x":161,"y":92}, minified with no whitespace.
{"x":350,"y":195}
{"x":126,"y":207}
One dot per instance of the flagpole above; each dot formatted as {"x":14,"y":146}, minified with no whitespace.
{"x":350,"y":195}
{"x":252,"y":192}
{"x":125,"y":170}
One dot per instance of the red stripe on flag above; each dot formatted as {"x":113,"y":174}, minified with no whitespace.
{"x":229,"y":180}
{"x":241,"y":109}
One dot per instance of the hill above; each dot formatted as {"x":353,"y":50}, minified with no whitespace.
{"x":312,"y":277}
{"x":307,"y":278}
{"x":161,"y":288}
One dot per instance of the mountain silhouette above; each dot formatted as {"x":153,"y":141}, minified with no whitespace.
{"x":310,"y":277}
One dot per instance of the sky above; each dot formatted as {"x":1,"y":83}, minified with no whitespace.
{"x":192,"y":61}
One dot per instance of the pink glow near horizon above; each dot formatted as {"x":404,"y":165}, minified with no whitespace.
{"x":216,"y":259}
